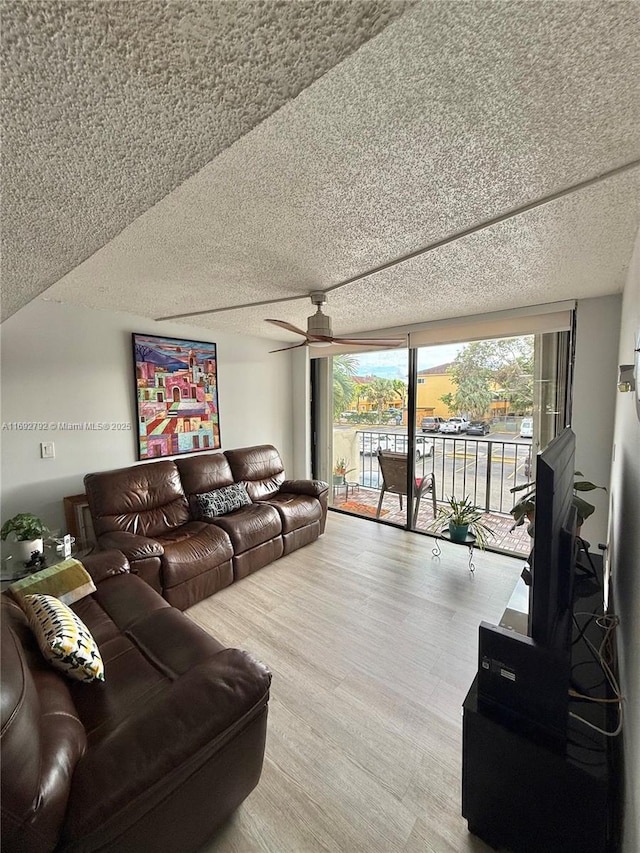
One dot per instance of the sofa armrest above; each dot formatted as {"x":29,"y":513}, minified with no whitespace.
{"x":105,"y":564}
{"x":163,"y":743}
{"x":134,"y":547}
{"x":315,"y":488}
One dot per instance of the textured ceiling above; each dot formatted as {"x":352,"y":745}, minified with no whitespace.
{"x":452,"y":115}
{"x":107,"y":106}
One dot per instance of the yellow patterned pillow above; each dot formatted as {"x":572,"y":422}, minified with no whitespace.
{"x":64,"y":639}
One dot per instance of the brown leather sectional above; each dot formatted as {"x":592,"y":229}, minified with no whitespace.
{"x":148,"y":512}
{"x":159,"y":754}
{"x":154,"y":758}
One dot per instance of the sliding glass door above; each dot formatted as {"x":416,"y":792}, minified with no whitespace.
{"x":472,"y":400}
{"x":488,"y":407}
{"x":470,"y":414}
{"x":369,"y":414}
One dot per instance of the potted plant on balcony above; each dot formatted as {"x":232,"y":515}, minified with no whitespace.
{"x":524,"y":509}
{"x":28,"y":530}
{"x":463,"y":518}
{"x":340,"y":471}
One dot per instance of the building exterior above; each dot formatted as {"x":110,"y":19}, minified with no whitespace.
{"x":433,"y":383}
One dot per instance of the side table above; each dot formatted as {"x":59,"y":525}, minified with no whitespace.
{"x":53,"y":557}
{"x":347,"y":486}
{"x":469,"y":541}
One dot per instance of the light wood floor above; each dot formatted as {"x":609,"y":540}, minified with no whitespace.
{"x":372,"y":642}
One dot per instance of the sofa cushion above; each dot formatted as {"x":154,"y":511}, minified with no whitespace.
{"x":260,"y":467}
{"x":145,"y":499}
{"x":175,"y":698}
{"x":296,"y":510}
{"x":192,"y":549}
{"x":63,"y":638}
{"x":221,"y":501}
{"x":42,"y":739}
{"x":204,"y":472}
{"x":249,"y":526}
{"x":142,"y":653}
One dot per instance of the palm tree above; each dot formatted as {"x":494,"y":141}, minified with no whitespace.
{"x":362,"y":392}
{"x":381,"y":392}
{"x":401,"y":388}
{"x":344,"y":367}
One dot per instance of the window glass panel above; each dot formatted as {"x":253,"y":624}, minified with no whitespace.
{"x":514,"y":391}
{"x":476,"y":405}
{"x":369,"y":414}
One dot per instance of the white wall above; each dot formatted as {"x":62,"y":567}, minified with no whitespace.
{"x":625,"y":553}
{"x":594,"y":401}
{"x":301,"y":388}
{"x":72,"y":364}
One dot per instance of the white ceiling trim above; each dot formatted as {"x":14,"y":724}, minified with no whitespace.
{"x":532,"y":320}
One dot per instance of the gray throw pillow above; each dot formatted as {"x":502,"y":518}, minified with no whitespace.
{"x":221,"y":501}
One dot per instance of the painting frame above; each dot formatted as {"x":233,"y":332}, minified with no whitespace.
{"x":176,"y":389}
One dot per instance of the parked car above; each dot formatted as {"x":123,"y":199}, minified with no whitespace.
{"x":455,"y":425}
{"x":478,"y":428}
{"x":431,"y":424}
{"x":526,"y":428}
{"x":370,"y":443}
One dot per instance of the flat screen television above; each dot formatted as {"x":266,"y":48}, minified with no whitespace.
{"x":553,"y":556}
{"x":524,"y":681}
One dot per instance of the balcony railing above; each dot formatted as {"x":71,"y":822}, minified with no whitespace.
{"x":485,"y":469}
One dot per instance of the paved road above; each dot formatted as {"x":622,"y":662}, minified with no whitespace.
{"x":459,"y":464}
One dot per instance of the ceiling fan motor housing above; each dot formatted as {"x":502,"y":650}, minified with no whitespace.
{"x":319,"y":323}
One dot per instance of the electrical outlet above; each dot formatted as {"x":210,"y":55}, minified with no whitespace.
{"x":47,"y":450}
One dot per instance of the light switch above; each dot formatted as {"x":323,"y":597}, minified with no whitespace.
{"x":47,"y":450}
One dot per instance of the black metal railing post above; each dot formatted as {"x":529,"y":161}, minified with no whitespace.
{"x":487,"y":484}
{"x":448,"y":479}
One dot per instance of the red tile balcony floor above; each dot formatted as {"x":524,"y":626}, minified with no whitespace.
{"x":363,"y":501}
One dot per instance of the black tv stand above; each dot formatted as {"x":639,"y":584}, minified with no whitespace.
{"x":521,"y":795}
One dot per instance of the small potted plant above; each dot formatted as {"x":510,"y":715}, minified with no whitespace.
{"x":524,"y":509}
{"x":340,"y":471}
{"x":28,"y":530}
{"x":463,"y":518}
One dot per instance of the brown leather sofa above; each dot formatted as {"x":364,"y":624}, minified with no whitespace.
{"x":148,"y":511}
{"x":154,"y":758}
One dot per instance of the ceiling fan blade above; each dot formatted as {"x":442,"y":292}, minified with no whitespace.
{"x":374,"y":342}
{"x":284,"y":325}
{"x":293,"y":346}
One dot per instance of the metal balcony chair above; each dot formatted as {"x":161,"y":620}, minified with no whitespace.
{"x":394,"y":480}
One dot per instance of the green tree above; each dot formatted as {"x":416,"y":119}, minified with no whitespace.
{"x":514,"y":377}
{"x":361,"y":393}
{"x":401,"y":388}
{"x":380,"y":393}
{"x":344,"y":368}
{"x":482,"y":367}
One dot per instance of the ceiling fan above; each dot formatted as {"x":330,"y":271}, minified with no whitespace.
{"x":320,"y":334}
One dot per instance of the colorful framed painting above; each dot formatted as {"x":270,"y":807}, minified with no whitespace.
{"x":177,"y":396}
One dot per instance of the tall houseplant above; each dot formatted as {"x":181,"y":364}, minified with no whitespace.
{"x":524,"y":509}
{"x":463,"y":518}
{"x":340,"y":471}
{"x":28,"y":530}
